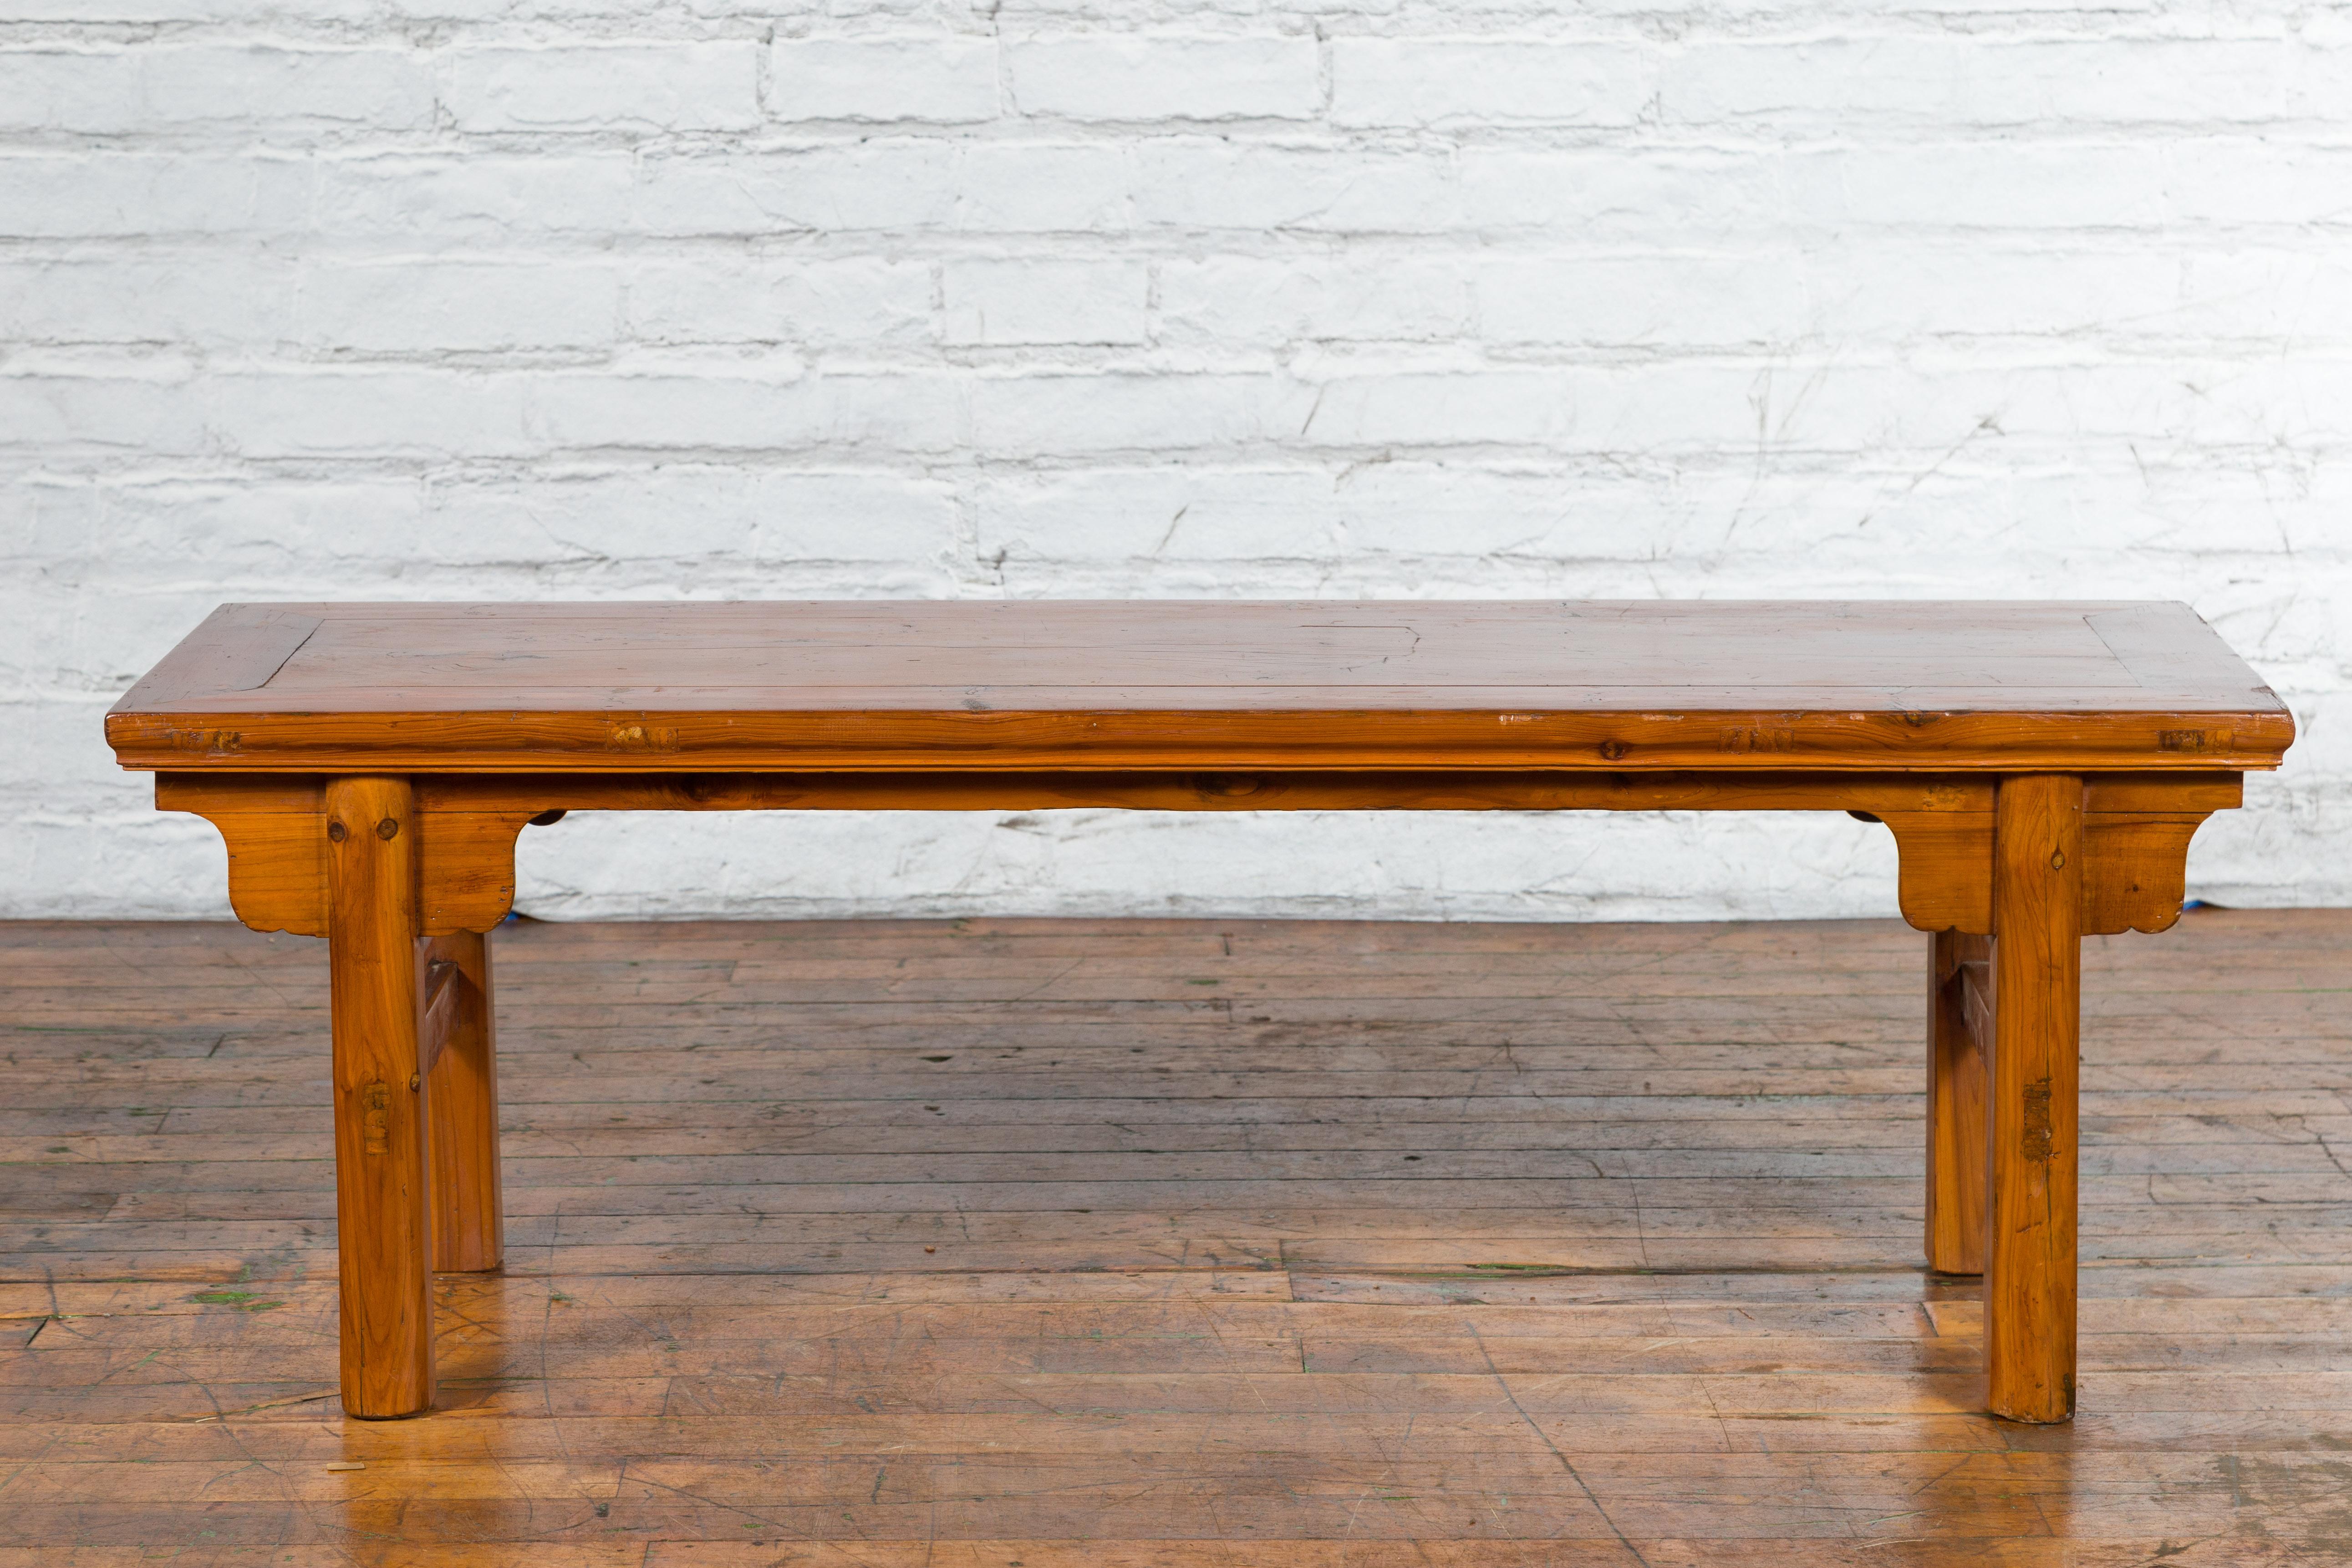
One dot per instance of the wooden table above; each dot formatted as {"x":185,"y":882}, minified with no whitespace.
{"x":2043,"y":767}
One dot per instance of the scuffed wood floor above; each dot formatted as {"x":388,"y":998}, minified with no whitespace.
{"x":1097,"y":1244}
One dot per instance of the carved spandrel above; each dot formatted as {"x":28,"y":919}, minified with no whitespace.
{"x":1945,"y":882}
{"x":2135,"y":871}
{"x":276,"y":830}
{"x":2134,"y":878}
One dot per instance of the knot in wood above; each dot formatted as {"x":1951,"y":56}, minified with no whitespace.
{"x":336,"y":833}
{"x":387,"y":829}
{"x":2057,"y":860}
{"x":1228,"y":786}
{"x":375,"y":1117}
{"x":2037,"y":1140}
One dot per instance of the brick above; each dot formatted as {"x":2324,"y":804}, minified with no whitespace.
{"x":1255,"y":302}
{"x":637,"y":87}
{"x":310,"y":411}
{"x":1424,"y":408}
{"x":435,"y":413}
{"x":1990,"y":184}
{"x":1466,"y":81}
{"x":1022,"y":301}
{"x":70,"y":90}
{"x":99,"y":13}
{"x":877,"y":532}
{"x":1959,"y":289}
{"x":413,"y":305}
{"x":717,"y":406}
{"x":1621,"y":193}
{"x":2303,"y":296}
{"x":1130,"y":77}
{"x":883,"y":184}
{"x":1042,"y":412}
{"x":1643,"y":301}
{"x":477,"y":198}
{"x":946,"y":79}
{"x":79,"y":412}
{"x":376,"y":88}
{"x":1220,"y":185}
{"x":1014,"y":187}
{"x":2253,"y":182}
{"x":1941,"y":80}
{"x":1988,"y":407}
{"x":854,"y":301}
{"x":169,"y":531}
{"x":212,"y":301}
{"x":59,"y":194}
{"x":1118,"y":518}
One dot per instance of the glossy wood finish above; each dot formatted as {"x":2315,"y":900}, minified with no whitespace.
{"x":2032,"y":1113}
{"x":1216,"y":685}
{"x":1189,"y":1304}
{"x":461,"y":1088}
{"x":1943,"y":721}
{"x":1960,"y":1022}
{"x":381,"y":1166}
{"x":1942,"y":823}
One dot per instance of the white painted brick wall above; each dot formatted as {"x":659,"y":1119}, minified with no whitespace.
{"x":1001,"y":301}
{"x":1138,"y":77}
{"x":629,"y":87}
{"x":594,"y":299}
{"x":943,"y":78}
{"x":1409,"y":82}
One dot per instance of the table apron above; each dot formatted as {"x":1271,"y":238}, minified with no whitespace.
{"x":2136,"y":824}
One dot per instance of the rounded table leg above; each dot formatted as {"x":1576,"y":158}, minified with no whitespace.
{"x":381,"y":1160}
{"x":2033,"y":1111}
{"x":461,"y":1090}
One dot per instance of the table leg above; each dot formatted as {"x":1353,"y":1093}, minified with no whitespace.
{"x":2033,"y":1115}
{"x":1959,"y":1020}
{"x":381,"y":1164}
{"x":461,"y":1091}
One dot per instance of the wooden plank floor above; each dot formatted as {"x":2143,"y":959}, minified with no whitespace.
{"x":1054,"y":1244}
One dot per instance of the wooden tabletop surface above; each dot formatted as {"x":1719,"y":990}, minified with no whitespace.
{"x":976,"y":685}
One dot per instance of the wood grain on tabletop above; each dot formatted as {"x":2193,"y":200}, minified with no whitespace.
{"x":1174,"y":1243}
{"x":1041,"y":684}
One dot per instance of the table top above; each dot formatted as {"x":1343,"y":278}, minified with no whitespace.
{"x":975,"y":685}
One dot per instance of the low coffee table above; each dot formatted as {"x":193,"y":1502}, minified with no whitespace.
{"x":2043,"y":767}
